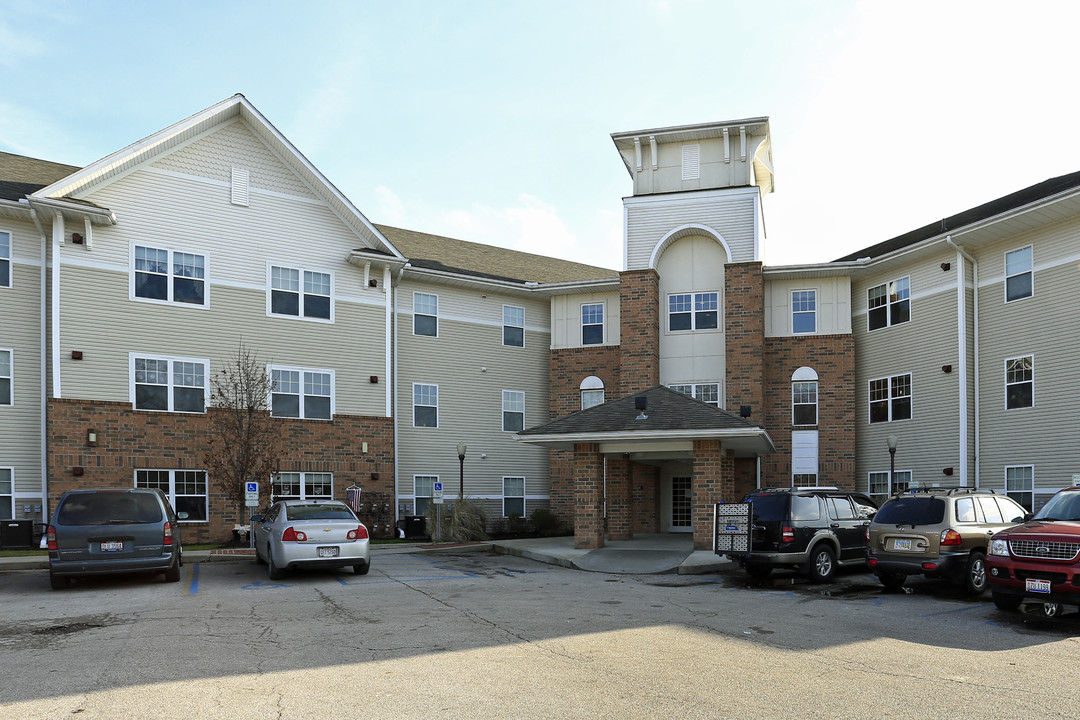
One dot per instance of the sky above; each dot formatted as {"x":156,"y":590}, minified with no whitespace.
{"x":490,"y":120}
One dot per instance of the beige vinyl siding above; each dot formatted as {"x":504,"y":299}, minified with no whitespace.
{"x":833,"y":305}
{"x":471,"y":367}
{"x":731,"y":213}
{"x":714,"y":171}
{"x":20,"y":332}
{"x":566,"y":318}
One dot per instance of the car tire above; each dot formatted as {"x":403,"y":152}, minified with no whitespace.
{"x":975,"y":581}
{"x":892,"y":580}
{"x":1006,"y":602}
{"x":361,"y":569}
{"x":273,"y":570}
{"x":173,"y":573}
{"x":58,"y":582}
{"x":757,"y":570}
{"x":822,"y":564}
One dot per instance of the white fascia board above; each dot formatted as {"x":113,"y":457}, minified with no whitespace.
{"x":646,"y":436}
{"x":100,"y":216}
{"x":690,"y":196}
{"x":507,"y":286}
{"x":816,"y":270}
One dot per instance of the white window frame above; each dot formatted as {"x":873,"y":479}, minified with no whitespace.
{"x":171,"y":382}
{"x":592,"y":388}
{"x":416,"y":404}
{"x":507,"y":324}
{"x":889,"y":302}
{"x":1029,"y":491}
{"x":302,"y":390}
{"x":304,"y":481}
{"x":417,"y":314}
{"x":1031,"y":380}
{"x":694,"y":310}
{"x":427,"y":499}
{"x":505,"y":496}
{"x":10,"y":377}
{"x":697,"y":390}
{"x":511,"y":399}
{"x":602,"y":324}
{"x":5,"y":258}
{"x":891,"y":399}
{"x":10,"y":496}
{"x":804,"y":480}
{"x":811,"y":294}
{"x":301,"y":292}
{"x":795,"y":396}
{"x":172,"y":494}
{"x":890,"y":482}
{"x":170,"y":276}
{"x":1030,"y":272}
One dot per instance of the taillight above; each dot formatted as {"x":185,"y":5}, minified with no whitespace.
{"x":787,"y":534}
{"x":168,"y":534}
{"x":360,"y":533}
{"x":867,"y":533}
{"x":50,"y":538}
{"x":951,"y":537}
{"x":293,"y":535}
{"x":872,"y":562}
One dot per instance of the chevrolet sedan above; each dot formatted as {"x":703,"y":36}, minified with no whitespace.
{"x":310,"y":534}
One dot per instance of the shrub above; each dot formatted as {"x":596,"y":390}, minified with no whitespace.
{"x":462,"y":521}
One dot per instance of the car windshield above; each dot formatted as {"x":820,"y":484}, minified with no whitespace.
{"x":1063,"y":506}
{"x":109,"y":508}
{"x":912,"y":510}
{"x":768,"y":508}
{"x":319,"y":512}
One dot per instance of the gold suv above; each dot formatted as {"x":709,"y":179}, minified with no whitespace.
{"x":938,"y":533}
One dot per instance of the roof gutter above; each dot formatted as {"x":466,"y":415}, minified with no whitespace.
{"x":756,"y":433}
{"x":961,"y":329}
{"x":516,"y":286}
{"x":102,"y":216}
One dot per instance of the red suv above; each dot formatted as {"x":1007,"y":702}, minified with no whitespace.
{"x":1039,"y":561}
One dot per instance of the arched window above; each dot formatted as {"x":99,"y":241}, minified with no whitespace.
{"x":804,"y":397}
{"x":592,"y":392}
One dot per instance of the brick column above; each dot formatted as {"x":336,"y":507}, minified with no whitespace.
{"x":639,"y":330}
{"x":744,"y":327}
{"x":588,"y":497}
{"x":645,"y":486}
{"x":714,"y":481}
{"x":620,"y":501}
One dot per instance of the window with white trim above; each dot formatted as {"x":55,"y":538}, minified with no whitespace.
{"x":425,"y":314}
{"x":513,"y":496}
{"x":7,"y":372}
{"x":1019,"y":279}
{"x":7,"y":492}
{"x":1020,"y":484}
{"x":425,"y":405}
{"x":804,"y":403}
{"x":888,"y":304}
{"x":705,"y":392}
{"x":879,"y":485}
{"x":304,"y":393}
{"x":592,"y":392}
{"x":890,"y":398}
{"x":1020,"y":382}
{"x":804,"y":480}
{"x":592,"y":324}
{"x":693,"y":311}
{"x":513,"y":326}
{"x":295,"y":292}
{"x":423,"y":491}
{"x":187,"y":491}
{"x":169,"y":383}
{"x":5,"y":259}
{"x":513,"y":410}
{"x":803,"y":311}
{"x":169,"y":276}
{"x":302,"y":486}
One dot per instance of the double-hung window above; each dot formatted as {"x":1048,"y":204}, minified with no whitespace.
{"x":5,"y":259}
{"x":423,"y":491}
{"x":804,"y":403}
{"x":705,"y":392}
{"x":513,"y":410}
{"x":169,"y":276}
{"x":7,"y":492}
{"x":513,"y":496}
{"x":425,"y":405}
{"x":1018,"y":274}
{"x":425,"y":314}
{"x":693,"y":311}
{"x":303,"y":486}
{"x":592,"y":324}
{"x":513,"y":326}
{"x":295,"y":292}
{"x":890,"y":398}
{"x":6,"y":373}
{"x":303,"y":393}
{"x":169,"y":383}
{"x":187,"y":491}
{"x":889,"y":304}
{"x":1020,"y":484}
{"x":1020,"y":382}
{"x":879,"y":482}
{"x":803,"y":311}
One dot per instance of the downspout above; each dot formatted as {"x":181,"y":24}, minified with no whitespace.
{"x":44,"y":368}
{"x":57,"y":241}
{"x":396,"y":395}
{"x":389,"y":347}
{"x":963,"y":255}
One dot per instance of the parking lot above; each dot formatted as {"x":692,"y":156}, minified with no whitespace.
{"x":472,"y":634}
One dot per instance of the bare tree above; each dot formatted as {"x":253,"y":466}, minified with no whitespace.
{"x":243,"y":445}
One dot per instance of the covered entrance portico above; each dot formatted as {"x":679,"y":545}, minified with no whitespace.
{"x":655,"y":461}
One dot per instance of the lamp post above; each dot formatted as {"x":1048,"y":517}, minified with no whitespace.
{"x":461,"y":448}
{"x":892,"y":440}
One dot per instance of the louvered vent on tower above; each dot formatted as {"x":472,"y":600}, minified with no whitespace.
{"x":691,"y":162}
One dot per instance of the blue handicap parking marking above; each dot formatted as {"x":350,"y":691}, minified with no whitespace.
{"x":260,"y":585}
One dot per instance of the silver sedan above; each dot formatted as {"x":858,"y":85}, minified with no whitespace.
{"x":311,"y":534}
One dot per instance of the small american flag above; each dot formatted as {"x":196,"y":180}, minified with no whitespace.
{"x":353,"y":496}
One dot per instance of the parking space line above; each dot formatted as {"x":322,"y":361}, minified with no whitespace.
{"x":194,"y":589}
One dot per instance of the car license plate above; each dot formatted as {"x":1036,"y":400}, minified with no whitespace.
{"x":901,"y":544}
{"x":1038,"y":586}
{"x":328,"y":552}
{"x":112,"y":545}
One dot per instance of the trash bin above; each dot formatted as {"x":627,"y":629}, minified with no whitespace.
{"x":17,"y":534}
{"x":415,"y":527}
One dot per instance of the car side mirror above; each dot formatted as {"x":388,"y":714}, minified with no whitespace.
{"x":1027,"y":516}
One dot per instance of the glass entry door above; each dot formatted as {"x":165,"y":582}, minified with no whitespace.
{"x":681,"y":504}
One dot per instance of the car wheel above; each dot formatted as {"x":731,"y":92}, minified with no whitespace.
{"x":361,"y":569}
{"x":274,"y":571}
{"x":57,"y":582}
{"x":1006,"y":602}
{"x":822,"y":564}
{"x":756,"y":570}
{"x":892,"y":580}
{"x":1051,"y":609}
{"x":975,"y":573}
{"x":173,"y":573}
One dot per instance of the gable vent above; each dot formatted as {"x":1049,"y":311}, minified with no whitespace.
{"x":240,"y":186}
{"x":691,"y":162}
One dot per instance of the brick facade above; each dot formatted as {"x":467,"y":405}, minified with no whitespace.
{"x":744,"y":327}
{"x":588,"y":496}
{"x":639,"y":331}
{"x":714,"y":481}
{"x":128,"y":440}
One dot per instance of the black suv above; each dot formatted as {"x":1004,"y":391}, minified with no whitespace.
{"x":810,"y":529}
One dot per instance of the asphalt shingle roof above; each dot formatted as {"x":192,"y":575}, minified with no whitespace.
{"x":21,"y":176}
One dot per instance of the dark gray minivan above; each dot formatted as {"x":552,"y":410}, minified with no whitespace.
{"x":124,"y":530}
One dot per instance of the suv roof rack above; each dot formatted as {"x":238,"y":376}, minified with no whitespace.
{"x":947,"y":490}
{"x":800,"y":488}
